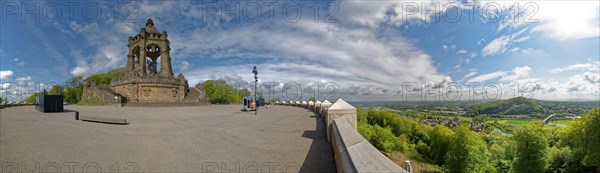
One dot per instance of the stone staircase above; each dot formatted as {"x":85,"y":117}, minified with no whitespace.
{"x":101,"y":93}
{"x":193,"y":95}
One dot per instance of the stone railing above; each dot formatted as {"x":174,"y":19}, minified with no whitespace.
{"x":352,"y":152}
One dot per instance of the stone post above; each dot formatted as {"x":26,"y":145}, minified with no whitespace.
{"x":142,"y":58}
{"x":407,"y":166}
{"x":165,"y":57}
{"x":129,"y":63}
{"x":165,"y":64}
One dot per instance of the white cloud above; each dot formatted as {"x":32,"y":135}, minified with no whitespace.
{"x":530,"y":51}
{"x":373,"y":14}
{"x":592,"y":66}
{"x":480,"y":41}
{"x":486,"y":77}
{"x":108,"y":43}
{"x":559,"y":20}
{"x":185,"y":65}
{"x":584,"y":83}
{"x":565,"y":20}
{"x":22,"y":79}
{"x":79,"y":71}
{"x":6,"y":74}
{"x":517,"y":73}
{"x":471,"y":74}
{"x":473,"y":54}
{"x":501,"y":44}
{"x":18,"y":61}
{"x":496,"y":46}
{"x":591,"y":77}
{"x":461,"y":51}
{"x":21,"y":89}
{"x":521,"y":39}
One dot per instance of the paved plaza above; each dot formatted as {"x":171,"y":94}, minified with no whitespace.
{"x":217,"y":138}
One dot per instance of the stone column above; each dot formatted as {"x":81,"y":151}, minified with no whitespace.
{"x":129,"y":63}
{"x":142,"y":61}
{"x":142,"y":57}
{"x":165,"y":63}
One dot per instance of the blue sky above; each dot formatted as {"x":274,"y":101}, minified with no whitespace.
{"x":369,"y":50}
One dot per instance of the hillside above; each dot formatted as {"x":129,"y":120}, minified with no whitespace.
{"x":105,"y":78}
{"x":513,"y":106}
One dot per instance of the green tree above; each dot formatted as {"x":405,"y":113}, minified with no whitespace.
{"x":498,"y":158}
{"x":221,"y":95}
{"x":73,"y":89}
{"x":366,"y":131}
{"x":384,"y":139}
{"x":103,"y":78}
{"x":583,"y":137}
{"x":56,"y":90}
{"x":561,"y":160}
{"x":441,"y":136}
{"x":591,"y":138}
{"x":218,"y":92}
{"x":531,"y":150}
{"x":209,"y":87}
{"x":422,"y":147}
{"x":312,"y":99}
{"x":31,"y":98}
{"x":468,"y":152}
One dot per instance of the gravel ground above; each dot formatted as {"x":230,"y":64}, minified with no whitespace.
{"x":175,"y":139}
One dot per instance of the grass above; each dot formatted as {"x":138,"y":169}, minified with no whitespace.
{"x":452,"y":117}
{"x":512,"y":122}
{"x":417,"y":163}
{"x":565,"y":122}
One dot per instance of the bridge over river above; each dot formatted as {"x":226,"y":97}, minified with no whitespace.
{"x":174,"y":139}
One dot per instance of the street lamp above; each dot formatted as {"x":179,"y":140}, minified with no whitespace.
{"x":255,"y":82}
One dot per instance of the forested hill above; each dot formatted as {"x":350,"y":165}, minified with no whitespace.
{"x":513,"y":106}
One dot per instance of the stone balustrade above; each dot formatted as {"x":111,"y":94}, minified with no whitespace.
{"x":352,"y":152}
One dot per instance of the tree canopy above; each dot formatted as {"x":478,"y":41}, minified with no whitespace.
{"x":220,"y":93}
{"x":531,"y":150}
{"x":468,"y":152}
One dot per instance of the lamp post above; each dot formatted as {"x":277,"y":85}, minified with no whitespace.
{"x":255,"y":96}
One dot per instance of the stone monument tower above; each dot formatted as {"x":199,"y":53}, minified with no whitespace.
{"x":146,"y":47}
{"x":143,"y":81}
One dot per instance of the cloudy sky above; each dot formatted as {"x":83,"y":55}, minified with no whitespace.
{"x":357,"y":50}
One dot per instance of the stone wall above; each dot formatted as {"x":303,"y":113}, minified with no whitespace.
{"x":352,"y":152}
{"x":151,"y":88}
{"x":201,"y":94}
{"x":100,"y":94}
